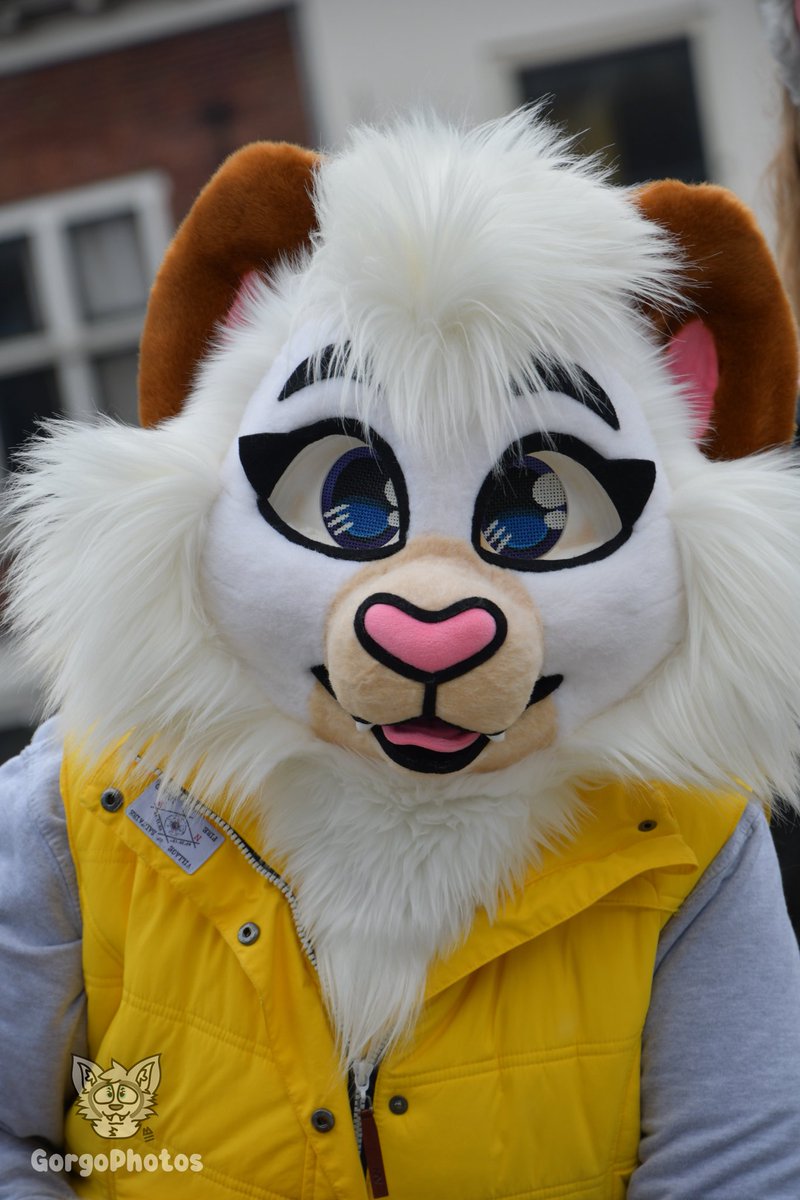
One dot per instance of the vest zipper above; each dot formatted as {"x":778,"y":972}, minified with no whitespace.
{"x":257,"y":863}
{"x":265,"y":870}
{"x":365,"y":1073}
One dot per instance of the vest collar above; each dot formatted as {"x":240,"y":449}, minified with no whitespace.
{"x":627,"y":832}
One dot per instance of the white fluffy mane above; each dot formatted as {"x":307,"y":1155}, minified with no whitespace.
{"x":477,"y":253}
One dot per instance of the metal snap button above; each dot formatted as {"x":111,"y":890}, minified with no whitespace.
{"x":249,"y":933}
{"x":398,"y":1105}
{"x":323,"y":1120}
{"x":112,"y":800}
{"x":646,"y":826}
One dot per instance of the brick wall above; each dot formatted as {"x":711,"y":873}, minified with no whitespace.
{"x":180,"y":103}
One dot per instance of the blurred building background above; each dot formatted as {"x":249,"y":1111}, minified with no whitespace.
{"x":113,"y":113}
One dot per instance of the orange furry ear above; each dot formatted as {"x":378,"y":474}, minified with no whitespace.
{"x":254,"y":211}
{"x":737,"y":346}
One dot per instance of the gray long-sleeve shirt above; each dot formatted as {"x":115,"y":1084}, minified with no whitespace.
{"x":721,"y":1050}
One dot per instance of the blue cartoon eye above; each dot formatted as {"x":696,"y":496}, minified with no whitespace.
{"x":359,"y":501}
{"x":552,"y":501}
{"x":525,"y":514}
{"x":333,"y":486}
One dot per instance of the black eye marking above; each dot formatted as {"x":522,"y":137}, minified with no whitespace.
{"x":362,"y":527}
{"x":328,"y":365}
{"x":575,"y":383}
{"x":510,"y":527}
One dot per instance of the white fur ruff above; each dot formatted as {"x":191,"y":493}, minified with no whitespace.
{"x":389,"y":875}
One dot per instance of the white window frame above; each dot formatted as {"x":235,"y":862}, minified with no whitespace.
{"x":68,"y":341}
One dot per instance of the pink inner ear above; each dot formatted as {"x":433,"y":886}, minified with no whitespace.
{"x":235,"y":315}
{"x":693,"y":362}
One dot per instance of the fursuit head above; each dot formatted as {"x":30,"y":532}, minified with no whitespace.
{"x":459,"y":488}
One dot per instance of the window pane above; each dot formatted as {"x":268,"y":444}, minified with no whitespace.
{"x":637,"y":106}
{"x":116,"y":384}
{"x":25,"y":399}
{"x":109,"y":268}
{"x":19,"y":312}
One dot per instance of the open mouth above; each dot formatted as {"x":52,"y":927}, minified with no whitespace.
{"x":429,"y":744}
{"x":430,"y":733}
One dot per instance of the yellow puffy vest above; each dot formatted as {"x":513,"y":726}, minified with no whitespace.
{"x":522,"y":1078}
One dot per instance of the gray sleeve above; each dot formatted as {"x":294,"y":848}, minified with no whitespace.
{"x":42,"y":1003}
{"x":721,"y":1049}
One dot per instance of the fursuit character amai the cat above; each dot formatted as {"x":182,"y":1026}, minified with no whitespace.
{"x":424,"y":665}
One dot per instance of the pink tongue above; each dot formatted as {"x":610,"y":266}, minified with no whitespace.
{"x":430,"y":734}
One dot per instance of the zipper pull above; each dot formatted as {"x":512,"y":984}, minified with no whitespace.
{"x":367,"y":1130}
{"x":372,"y":1152}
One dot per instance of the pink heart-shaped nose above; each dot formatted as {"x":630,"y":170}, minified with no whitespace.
{"x":435,"y":643}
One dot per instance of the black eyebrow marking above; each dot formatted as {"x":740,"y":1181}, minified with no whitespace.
{"x":329,"y":365}
{"x":575,"y":383}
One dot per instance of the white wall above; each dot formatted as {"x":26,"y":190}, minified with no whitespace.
{"x":367,"y":58}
